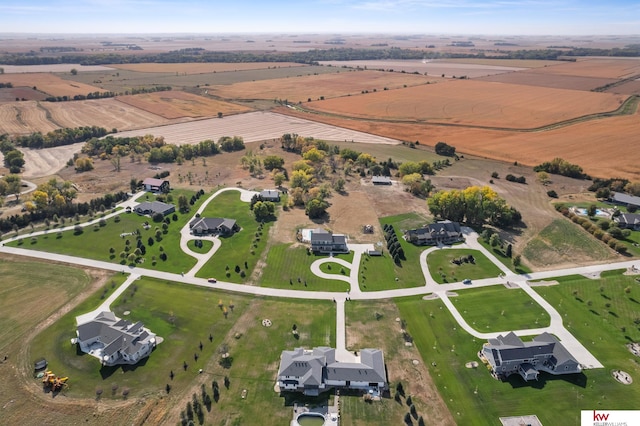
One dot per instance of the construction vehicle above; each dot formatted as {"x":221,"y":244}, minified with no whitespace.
{"x":53,"y":382}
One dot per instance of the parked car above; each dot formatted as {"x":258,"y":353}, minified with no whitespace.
{"x":466,"y":281}
{"x":212,"y":280}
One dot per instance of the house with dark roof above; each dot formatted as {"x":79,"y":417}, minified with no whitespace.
{"x":156,"y":185}
{"x":326,"y":242}
{"x":269,"y":195}
{"x":115,"y":341}
{"x":509,"y":355}
{"x":444,"y":232}
{"x":154,"y":207}
{"x":381,"y":180}
{"x":315,"y":371}
{"x":625,"y":199}
{"x":213,"y":226}
{"x":628,"y":221}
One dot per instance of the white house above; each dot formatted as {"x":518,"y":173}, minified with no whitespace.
{"x":115,"y":341}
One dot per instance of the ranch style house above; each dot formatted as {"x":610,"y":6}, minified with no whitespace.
{"x":628,"y":221}
{"x":115,"y":341}
{"x":156,"y":185}
{"x":269,"y":195}
{"x":325,"y":242}
{"x":154,"y":207}
{"x":625,"y":199}
{"x":312,"y":372}
{"x":213,"y":225}
{"x":509,"y":355}
{"x":444,"y":232}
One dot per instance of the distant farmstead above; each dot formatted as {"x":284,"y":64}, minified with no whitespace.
{"x":115,"y":341}
{"x":445,"y":232}
{"x":156,"y":185}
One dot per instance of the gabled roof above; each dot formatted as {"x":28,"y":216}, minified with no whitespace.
{"x":270,"y":193}
{"x":443,"y":228}
{"x":629,"y":218}
{"x":212,"y":223}
{"x":381,"y":179}
{"x":154,"y":181}
{"x":511,"y":348}
{"x":154,"y":206}
{"x":626,"y":198}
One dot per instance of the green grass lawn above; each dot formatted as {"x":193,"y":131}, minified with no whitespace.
{"x":30,"y":292}
{"x":502,"y":257}
{"x":289,"y":266}
{"x":206,"y":246}
{"x":409,"y":272}
{"x":401,"y":153}
{"x":443,"y":271}
{"x":563,"y":240}
{"x":243,"y":248}
{"x":96,"y":242}
{"x":498,"y":308}
{"x":379,"y":273}
{"x":335,"y":268}
{"x":475,"y":398}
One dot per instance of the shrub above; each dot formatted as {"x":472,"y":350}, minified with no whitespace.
{"x":552,"y":194}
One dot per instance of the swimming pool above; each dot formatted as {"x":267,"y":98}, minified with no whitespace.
{"x":310,"y":419}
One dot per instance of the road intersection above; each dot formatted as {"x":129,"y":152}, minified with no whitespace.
{"x":442,"y":291}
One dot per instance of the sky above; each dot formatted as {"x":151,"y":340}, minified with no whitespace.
{"x":506,"y":17}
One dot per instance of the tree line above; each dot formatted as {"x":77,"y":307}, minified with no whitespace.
{"x":59,"y":137}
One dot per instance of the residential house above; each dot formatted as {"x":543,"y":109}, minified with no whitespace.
{"x":115,"y":341}
{"x":269,"y":195}
{"x":315,"y":371}
{"x":445,"y":232}
{"x":625,"y":199}
{"x":154,"y":207}
{"x":509,"y":355}
{"x":325,"y":242}
{"x":628,"y":221}
{"x":381,"y":180}
{"x":213,"y":225}
{"x":156,"y":185}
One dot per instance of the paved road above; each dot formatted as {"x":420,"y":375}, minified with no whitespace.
{"x":355,"y":293}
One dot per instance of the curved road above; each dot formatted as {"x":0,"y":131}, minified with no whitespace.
{"x":556,"y":326}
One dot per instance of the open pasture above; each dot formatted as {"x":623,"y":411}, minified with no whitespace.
{"x":340,"y":83}
{"x":178,"y":104}
{"x":203,"y":68}
{"x":50,"y":84}
{"x":476,"y":103}
{"x":431,"y":67}
{"x":253,"y":127}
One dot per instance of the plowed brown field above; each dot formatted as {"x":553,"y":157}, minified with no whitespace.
{"x":176,"y":104}
{"x":24,"y":117}
{"x":595,"y":67}
{"x":48,"y":83}
{"x":601,"y":147}
{"x":475,"y":103}
{"x":300,"y":89}
{"x":556,"y":81}
{"x":203,"y":68}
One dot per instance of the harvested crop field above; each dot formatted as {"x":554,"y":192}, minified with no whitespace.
{"x":429,"y":67}
{"x":600,"y":147}
{"x":628,"y":88}
{"x":253,"y":127}
{"x":473,"y":103}
{"x":24,"y":118}
{"x":615,"y":68}
{"x":49,"y":83}
{"x":46,"y":162}
{"x":300,"y":89}
{"x":203,"y":68}
{"x":178,"y":104}
{"x":19,"y":69}
{"x":21,"y":93}
{"x":556,"y":81}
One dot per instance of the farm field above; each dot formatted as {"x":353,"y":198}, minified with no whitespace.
{"x":434,"y":67}
{"x":628,"y":88}
{"x":473,"y":103}
{"x":122,"y":80}
{"x":338,"y":84}
{"x":580,"y":143}
{"x":21,"y":93}
{"x":616,"y":68}
{"x":177,"y":104}
{"x":32,"y":116}
{"x":48,"y":83}
{"x":253,"y":127}
{"x":202,"y":68}
{"x":554,"y":81}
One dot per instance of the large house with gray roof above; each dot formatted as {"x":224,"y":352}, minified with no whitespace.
{"x":213,"y":225}
{"x":151,"y":208}
{"x":115,"y":341}
{"x":628,"y":220}
{"x":325,"y":242}
{"x":625,"y":199}
{"x":314,"y":371}
{"x":509,"y":355}
{"x":444,"y":232}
